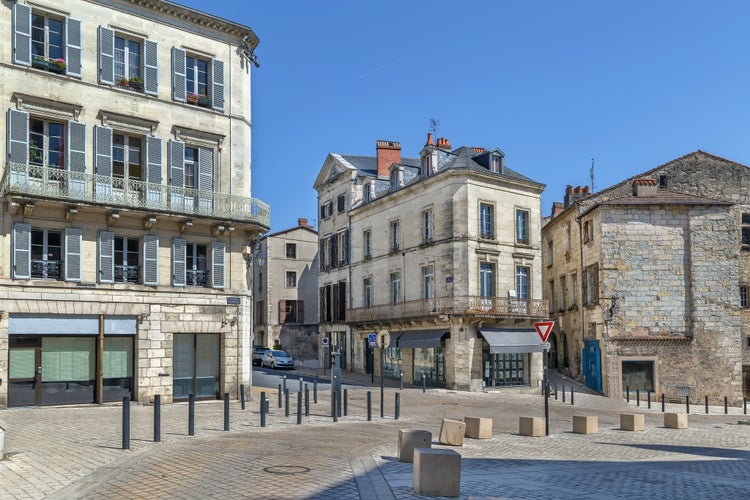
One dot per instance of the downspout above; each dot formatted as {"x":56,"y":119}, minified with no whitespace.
{"x":580,"y":286}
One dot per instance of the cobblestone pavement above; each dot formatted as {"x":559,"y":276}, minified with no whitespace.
{"x":66,"y":452}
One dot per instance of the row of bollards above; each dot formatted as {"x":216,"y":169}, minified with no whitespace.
{"x":687,"y":401}
{"x":572,"y":393}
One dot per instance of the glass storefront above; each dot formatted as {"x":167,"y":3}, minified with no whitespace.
{"x":393,"y":364}
{"x":429,"y":362}
{"x":196,"y":365}
{"x":506,"y":370}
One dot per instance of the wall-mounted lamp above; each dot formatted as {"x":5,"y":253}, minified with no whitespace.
{"x":149,"y":221}
{"x":72,"y":211}
{"x":218,"y":229}
{"x":113,"y":217}
{"x":187,"y":224}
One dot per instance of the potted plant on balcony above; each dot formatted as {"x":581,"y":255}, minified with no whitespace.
{"x":122,"y":82}
{"x":191,"y":98}
{"x":204,"y":101}
{"x":58,"y":65}
{"x":136,"y":83}
{"x":40,"y":62}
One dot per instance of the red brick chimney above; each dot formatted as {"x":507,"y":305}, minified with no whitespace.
{"x":389,"y":152}
{"x":302,"y":222}
{"x":443,"y":143}
{"x":429,"y":140}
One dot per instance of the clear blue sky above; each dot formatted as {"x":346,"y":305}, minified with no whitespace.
{"x":552,"y":83}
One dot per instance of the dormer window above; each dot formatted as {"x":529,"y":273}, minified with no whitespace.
{"x":496,"y":164}
{"x":426,"y":165}
{"x":397,"y":176}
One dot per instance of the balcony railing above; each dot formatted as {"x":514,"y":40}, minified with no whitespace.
{"x":79,"y":187}
{"x":46,"y":269}
{"x":497,"y":307}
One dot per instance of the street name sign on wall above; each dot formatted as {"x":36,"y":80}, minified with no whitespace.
{"x":544,"y":328}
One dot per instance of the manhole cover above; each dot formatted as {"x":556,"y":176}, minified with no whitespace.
{"x":287,"y":469}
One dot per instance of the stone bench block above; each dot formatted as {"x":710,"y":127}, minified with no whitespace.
{"x":2,"y":440}
{"x":452,"y":432}
{"x":676,"y":420}
{"x":436,"y":472}
{"x":585,"y":424}
{"x":478,"y":427}
{"x":632,"y":421}
{"x":409,"y":439}
{"x":531,"y":426}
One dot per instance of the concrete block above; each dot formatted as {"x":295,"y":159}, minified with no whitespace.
{"x":452,"y":432}
{"x":632,"y":421}
{"x":436,"y":472}
{"x":478,"y":427}
{"x":2,"y":440}
{"x":409,"y":439}
{"x":585,"y":424}
{"x":676,"y":420}
{"x":531,"y":426}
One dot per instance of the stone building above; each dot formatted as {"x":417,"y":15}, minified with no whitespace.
{"x":126,"y":202}
{"x":648,"y":281}
{"x":442,"y":252}
{"x":286,"y":291}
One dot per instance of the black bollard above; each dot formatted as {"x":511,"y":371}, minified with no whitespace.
{"x":649,"y":399}
{"x":401,"y":379}
{"x":555,"y":391}
{"x":726,"y":406}
{"x":346,"y":402}
{"x":369,"y":406}
{"x":687,"y":404}
{"x":286,"y":402}
{"x":706,"y":405}
{"x":157,"y":418}
{"x":280,"y":393}
{"x":226,"y":411}
{"x":191,"y":414}
{"x":563,"y":392}
{"x":283,"y":380}
{"x":126,"y":422}
{"x":242,"y":395}
{"x":335,"y":414}
{"x":300,"y":384}
{"x":638,"y":397}
{"x":571,"y":395}
{"x":307,"y":401}
{"x":627,"y":394}
{"x":662,"y":402}
{"x":398,"y":405}
{"x":262,"y":409}
{"x":744,"y":405}
{"x":299,"y":407}
{"x":315,"y":391}
{"x":424,"y":383}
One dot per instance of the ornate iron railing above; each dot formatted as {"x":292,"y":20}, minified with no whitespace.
{"x":497,"y":307}
{"x":79,"y":187}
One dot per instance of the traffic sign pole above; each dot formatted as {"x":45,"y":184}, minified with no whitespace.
{"x":544,"y":328}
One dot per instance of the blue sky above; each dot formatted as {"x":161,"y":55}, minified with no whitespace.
{"x":552,"y":83}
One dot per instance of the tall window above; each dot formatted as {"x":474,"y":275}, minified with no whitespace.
{"x":588,"y":232}
{"x":46,"y":143}
{"x":126,"y":259}
{"x":428,"y":282}
{"x":395,"y":235}
{"x":574,"y":289}
{"x":395,"y":287}
{"x":367,"y":291}
{"x":522,"y":282}
{"x":127,"y":59}
{"x":341,"y":203}
{"x":486,"y":279}
{"x":291,"y":279}
{"x":427,"y":225}
{"x":367,"y":243}
{"x":590,"y":284}
{"x":551,"y":295}
{"x":196,"y":76}
{"x":127,"y":163}
{"x":495,"y":163}
{"x":46,"y":254}
{"x":522,"y":226}
{"x":563,"y":292}
{"x":291,"y":250}
{"x":191,"y":161}
{"x":47,"y":40}
{"x":744,"y":297}
{"x":196,"y":265}
{"x":746,"y":229}
{"x":486,"y":221}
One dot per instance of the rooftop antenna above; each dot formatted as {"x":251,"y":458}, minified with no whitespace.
{"x":434,"y":125}
{"x":592,"y":175}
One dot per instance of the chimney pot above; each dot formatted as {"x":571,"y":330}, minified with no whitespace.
{"x":568,"y":189}
{"x":429,"y":140}
{"x":585,"y":190}
{"x":302,"y":221}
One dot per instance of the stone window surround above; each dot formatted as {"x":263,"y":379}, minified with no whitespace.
{"x":653,"y":359}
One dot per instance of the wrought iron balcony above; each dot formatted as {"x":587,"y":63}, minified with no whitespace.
{"x":491,"y":307}
{"x":79,"y":187}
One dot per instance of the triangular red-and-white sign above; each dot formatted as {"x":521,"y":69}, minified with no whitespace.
{"x":544,"y":328}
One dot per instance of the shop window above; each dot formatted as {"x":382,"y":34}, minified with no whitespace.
{"x":638,"y":374}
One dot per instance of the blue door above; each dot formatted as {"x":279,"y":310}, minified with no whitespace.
{"x":592,"y":365}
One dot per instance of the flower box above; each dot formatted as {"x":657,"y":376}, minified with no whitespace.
{"x":136,"y":84}
{"x":57,"y":66}
{"x":204,"y":101}
{"x":192,"y":98}
{"x":40,"y":64}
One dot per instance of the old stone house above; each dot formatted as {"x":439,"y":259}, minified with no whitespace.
{"x":648,"y":281}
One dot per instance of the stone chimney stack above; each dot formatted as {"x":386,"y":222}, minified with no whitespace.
{"x":389,"y":152}
{"x":302,"y":222}
{"x":644,"y":187}
{"x":443,"y":143}
{"x":573,"y":194}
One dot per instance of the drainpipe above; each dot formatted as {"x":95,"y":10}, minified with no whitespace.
{"x":580,"y":284}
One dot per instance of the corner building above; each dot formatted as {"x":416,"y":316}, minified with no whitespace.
{"x":126,"y":202}
{"x":441,"y":251}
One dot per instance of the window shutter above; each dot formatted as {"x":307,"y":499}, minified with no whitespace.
{"x":21,"y":34}
{"x":205,"y":179}
{"x":150,"y":260}
{"x":179,"y":246}
{"x":300,"y":311}
{"x":178,"y":75}
{"x":77,"y":157}
{"x":585,"y":286}
{"x":217,"y":84}
{"x":73,"y":244}
{"x":346,"y":246}
{"x":18,"y":136}
{"x":177,"y":174}
{"x":73,"y":46}
{"x":595,"y":279}
{"x":153,"y":172}
{"x":217,"y":262}
{"x":106,"y":55}
{"x":21,"y":251}
{"x":282,"y":311}
{"x":151,"y":71}
{"x":103,"y":161}
{"x":106,"y":257}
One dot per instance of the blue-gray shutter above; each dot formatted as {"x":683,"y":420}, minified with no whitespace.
{"x":179,"y":246}
{"x":205,"y":180}
{"x":21,"y":251}
{"x":21,"y":34}
{"x":218,"y":250}
{"x":103,"y":162}
{"x":18,"y":136}
{"x":153,"y":172}
{"x":177,"y":175}
{"x":178,"y":74}
{"x":106,"y":257}
{"x":77,"y":158}
{"x":151,"y":260}
{"x":106,"y":55}
{"x":73,"y":46}
{"x":217,"y":84}
{"x":73,"y":245}
{"x":150,"y":63}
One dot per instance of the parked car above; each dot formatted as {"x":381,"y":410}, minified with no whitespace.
{"x":258,"y":353}
{"x":277,"y":359}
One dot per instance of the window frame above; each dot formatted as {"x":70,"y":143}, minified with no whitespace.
{"x":290,"y":250}
{"x":486,"y":221}
{"x":428,"y":281}
{"x":197,"y":268}
{"x":744,"y":296}
{"x":427,"y":225}
{"x":394,"y":281}
{"x":125,"y":265}
{"x":395,"y":235}
{"x":290,"y":279}
{"x":522,"y":223}
{"x":487,"y":284}
{"x":523,"y":281}
{"x":745,"y":230}
{"x":367,"y":243}
{"x":367,"y":291}
{"x":45,"y":252}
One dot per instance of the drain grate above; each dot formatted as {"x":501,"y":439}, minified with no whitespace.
{"x":287,"y":470}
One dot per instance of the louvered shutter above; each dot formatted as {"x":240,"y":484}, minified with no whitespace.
{"x":282,"y":311}
{"x":106,"y":257}
{"x":77,"y":158}
{"x":21,"y":34}
{"x":18,"y":137}
{"x":205,"y":180}
{"x":217,"y":84}
{"x":73,"y":46}
{"x":106,"y":55}
{"x":177,"y":175}
{"x":179,"y":246}
{"x":217,"y":264}
{"x":178,"y":74}
{"x":73,"y":244}
{"x":345,"y":257}
{"x":150,"y":65}
{"x":103,"y":162}
{"x":151,"y":260}
{"x":585,"y":286}
{"x":153,"y":172}
{"x":300,"y":311}
{"x":21,"y":251}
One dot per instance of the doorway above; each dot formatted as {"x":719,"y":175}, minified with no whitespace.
{"x":196,"y":365}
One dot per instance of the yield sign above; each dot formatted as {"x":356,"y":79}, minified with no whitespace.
{"x":543,"y":328}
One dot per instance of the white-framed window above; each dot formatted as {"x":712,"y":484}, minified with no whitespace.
{"x":496,"y":163}
{"x":486,"y":221}
{"x":127,"y":159}
{"x":191,"y":171}
{"x":127,"y":259}
{"x":291,"y":250}
{"x":486,"y":279}
{"x":46,"y":254}
{"x":191,"y":162}
{"x":291,"y":279}
{"x":46,"y":143}
{"x":367,"y":292}
{"x":428,"y":282}
{"x":523,"y":279}
{"x":197,"y":79}
{"x":522,"y":226}
{"x":395,"y":281}
{"x":427,"y":165}
{"x":128,"y":59}
{"x":367,"y":243}
{"x":395,"y":235}
{"x":45,"y":40}
{"x":196,"y":265}
{"x":37,"y":253}
{"x":196,"y":75}
{"x":744,"y":296}
{"x":427,"y":225}
{"x":47,"y":36}
{"x":343,"y":246}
